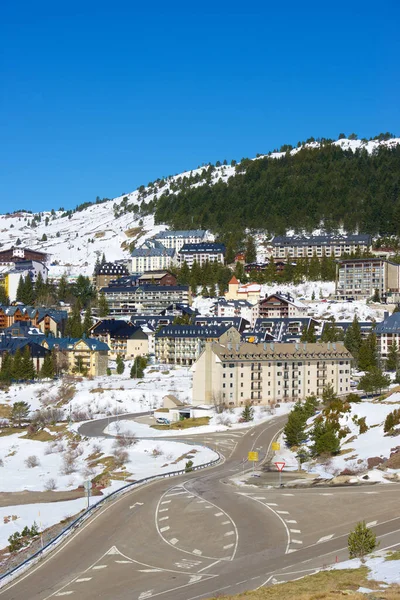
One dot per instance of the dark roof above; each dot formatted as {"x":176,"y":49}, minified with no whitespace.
{"x":152,"y":321}
{"x":11,"y":345}
{"x":206,"y":247}
{"x":390,"y":325}
{"x":191,"y":331}
{"x":236,"y":322}
{"x":321,"y":240}
{"x":110,"y":268}
{"x":184,"y":233}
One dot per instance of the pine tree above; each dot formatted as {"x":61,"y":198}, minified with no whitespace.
{"x":361,"y":541}
{"x":39,"y":287}
{"x":376,"y":297}
{"x":392,"y":361}
{"x":47,"y":370}
{"x":247,"y":413}
{"x":20,"y":412}
{"x":103,"y":307}
{"x":353,"y":338}
{"x":6,"y":368}
{"x":20,"y":290}
{"x":62,"y":288}
{"x":17,"y":370}
{"x":27,"y":364}
{"x":250,"y":251}
{"x":103,"y":260}
{"x":28,"y":295}
{"x":367,"y":358}
{"x":4,"y":299}
{"x":120,"y":365}
{"x":87,"y":321}
{"x":73,"y":327}
{"x":184,"y":274}
{"x":294,"y":430}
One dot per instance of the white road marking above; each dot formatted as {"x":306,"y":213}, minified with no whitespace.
{"x":282,"y":512}
{"x":147,"y":594}
{"x":176,"y":493}
{"x":371,"y":523}
{"x":163,"y":518}
{"x":173,"y":541}
{"x":198,"y":552}
{"x":208,"y":506}
{"x":370,"y":492}
{"x":271,"y":504}
{"x":296,"y":542}
{"x":229,"y":533}
{"x":327,"y":494}
{"x":163,"y":509}
{"x":64,"y":593}
{"x":136,"y":504}
{"x":190,"y":496}
{"x":194,"y":578}
{"x":295,"y":530}
{"x":164,"y":529}
{"x":97,"y":567}
{"x":258,"y":498}
{"x":113,"y":550}
{"x":218,"y":514}
{"x":290,"y":521}
{"x":166,"y":502}
{"x":228,"y":546}
{"x":325,"y":538}
{"x":82,"y":579}
{"x":200,"y":501}
{"x":287,"y":494}
{"x":150,"y":571}
{"x":225,"y":523}
{"x":123,"y":562}
{"x":291,"y":550}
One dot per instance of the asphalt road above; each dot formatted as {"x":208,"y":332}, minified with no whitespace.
{"x":198,"y":535}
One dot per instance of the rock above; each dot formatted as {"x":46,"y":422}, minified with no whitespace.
{"x":374,"y":461}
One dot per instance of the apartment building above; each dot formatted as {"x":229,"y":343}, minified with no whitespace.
{"x":146,"y":299}
{"x":85,"y":356}
{"x":201,"y":253}
{"x":302,"y":246}
{"x":287,"y":329}
{"x":265,"y":373}
{"x":278,"y":306}
{"x":17,"y":254}
{"x":47,"y":320}
{"x":152,"y":255}
{"x":360,"y":277}
{"x":182,"y":344}
{"x":177,"y":239}
{"x":109,"y":272}
{"x":122,"y":337}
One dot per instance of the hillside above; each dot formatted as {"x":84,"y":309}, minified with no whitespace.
{"x":366,"y":191}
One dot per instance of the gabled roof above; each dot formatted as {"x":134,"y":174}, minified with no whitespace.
{"x":390,"y":325}
{"x":233,"y":280}
{"x":152,"y":248}
{"x":70,"y":343}
{"x":183,"y":233}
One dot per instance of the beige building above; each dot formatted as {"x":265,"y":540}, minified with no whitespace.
{"x":183,"y":344}
{"x":300,"y":246}
{"x":84,"y":356}
{"x":263,"y":373}
{"x":248,"y":291}
{"x":360,"y":277}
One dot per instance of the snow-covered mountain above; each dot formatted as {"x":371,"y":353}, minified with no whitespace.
{"x":75,"y":240}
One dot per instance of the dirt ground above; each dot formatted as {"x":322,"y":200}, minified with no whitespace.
{"x":17,"y":498}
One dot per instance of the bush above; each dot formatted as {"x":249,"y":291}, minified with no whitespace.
{"x":69,"y":463}
{"x":361,"y":541}
{"x":50,"y":485}
{"x":121,"y":457}
{"x":125,"y":440}
{"x":189,"y":466}
{"x":32,"y":461}
{"x":157,"y":452}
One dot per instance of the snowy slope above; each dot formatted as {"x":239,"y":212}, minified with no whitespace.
{"x":74,"y":243}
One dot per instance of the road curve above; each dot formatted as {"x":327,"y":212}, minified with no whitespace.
{"x":198,"y":535}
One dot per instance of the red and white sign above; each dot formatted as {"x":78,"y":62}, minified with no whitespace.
{"x":280,"y":465}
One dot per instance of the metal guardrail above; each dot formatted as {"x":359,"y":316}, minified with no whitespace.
{"x":89,"y":511}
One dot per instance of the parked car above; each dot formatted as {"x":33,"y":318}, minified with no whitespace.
{"x":162,"y":421}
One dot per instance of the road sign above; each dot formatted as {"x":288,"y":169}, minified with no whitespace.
{"x":280,"y":465}
{"x":276,"y":446}
{"x":252,"y":456}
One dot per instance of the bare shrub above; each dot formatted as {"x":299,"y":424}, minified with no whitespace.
{"x":157,"y":452}
{"x":80,"y":415}
{"x":121,"y":456}
{"x":66,"y":391}
{"x":1,"y":462}
{"x":69,"y":463}
{"x":223,"y":419}
{"x":355,"y":468}
{"x":88,"y":472}
{"x":96,"y":449}
{"x":32,"y":461}
{"x":50,"y":485}
{"x":125,"y":440}
{"x":4,"y":423}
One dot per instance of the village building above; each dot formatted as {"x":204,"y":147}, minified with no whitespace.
{"x":233,"y":374}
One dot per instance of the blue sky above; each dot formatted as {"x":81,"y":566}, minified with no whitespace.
{"x":98,"y":98}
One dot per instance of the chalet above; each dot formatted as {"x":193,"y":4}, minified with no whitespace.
{"x":17,"y":254}
{"x":279,"y":305}
{"x":122,"y":337}
{"x":109,"y":272}
{"x":157,"y":278}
